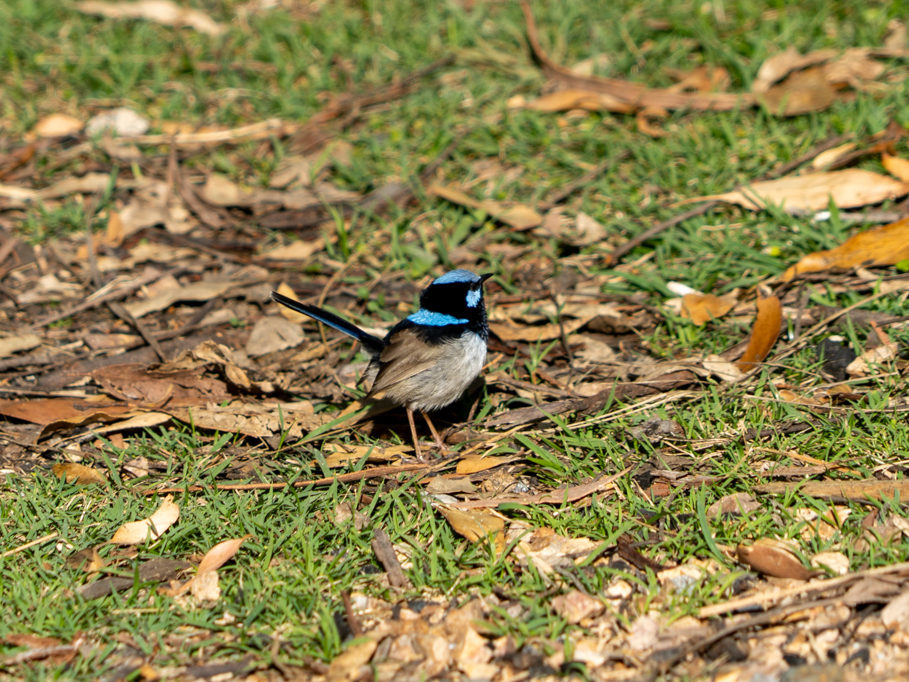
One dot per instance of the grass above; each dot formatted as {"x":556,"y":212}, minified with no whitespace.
{"x":282,"y":594}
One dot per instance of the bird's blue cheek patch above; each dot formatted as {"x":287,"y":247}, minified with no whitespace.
{"x":431,"y":318}
{"x":473,"y":297}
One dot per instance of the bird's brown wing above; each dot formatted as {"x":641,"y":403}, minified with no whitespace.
{"x":404,"y":356}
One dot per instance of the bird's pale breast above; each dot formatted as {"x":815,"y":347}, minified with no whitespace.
{"x":446,"y":380}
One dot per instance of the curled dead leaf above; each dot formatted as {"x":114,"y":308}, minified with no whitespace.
{"x":766,"y":329}
{"x":476,"y":524}
{"x":883,"y":245}
{"x":137,"y":532}
{"x":78,"y":473}
{"x":565,"y":100}
{"x":518,"y":216}
{"x":56,"y":125}
{"x":774,"y":558}
{"x":701,"y":308}
{"x":896,"y":166}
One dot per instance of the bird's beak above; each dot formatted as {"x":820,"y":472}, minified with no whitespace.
{"x":483,"y":278}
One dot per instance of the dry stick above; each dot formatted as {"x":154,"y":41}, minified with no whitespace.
{"x":42,"y":652}
{"x":758,"y":600}
{"x":340,"y":478}
{"x":768,"y":618}
{"x":385,"y":552}
{"x":636,"y":241}
{"x":352,"y":620}
{"x":100,"y":298}
{"x":146,"y":334}
{"x":31,"y":543}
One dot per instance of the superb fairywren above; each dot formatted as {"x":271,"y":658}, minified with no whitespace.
{"x":430,"y":358}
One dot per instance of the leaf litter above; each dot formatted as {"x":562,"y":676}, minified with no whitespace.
{"x":198,"y":235}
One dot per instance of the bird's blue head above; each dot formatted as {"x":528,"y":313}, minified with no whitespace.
{"x":453,"y":298}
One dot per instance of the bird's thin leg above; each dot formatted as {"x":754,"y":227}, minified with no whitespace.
{"x":435,"y":434}
{"x":413,"y":433}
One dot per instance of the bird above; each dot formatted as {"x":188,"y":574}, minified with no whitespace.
{"x":429,"y":359}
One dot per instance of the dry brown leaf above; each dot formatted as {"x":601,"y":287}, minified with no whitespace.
{"x":801,"y":93}
{"x":90,"y":183}
{"x":774,"y":558}
{"x":476,"y":524}
{"x":138,"y":532}
{"x":351,"y":664}
{"x":546,"y":550}
{"x":75,"y":411}
{"x":701,"y":308}
{"x":883,"y":245}
{"x":828,"y":157}
{"x":16,"y":344}
{"x":576,"y":606}
{"x":55,"y":125}
{"x":719,"y":367}
{"x":812,"y":192}
{"x":299,"y":250}
{"x":896,"y":613}
{"x":340,"y":454}
{"x":518,"y":216}
{"x":203,"y":290}
{"x":152,"y":203}
{"x":766,"y":329}
{"x":865,"y":363}
{"x":162,"y":12}
{"x":253,"y":419}
{"x":632,"y":94}
{"x":565,"y":100}
{"x":78,"y":473}
{"x":510,"y":331}
{"x":273,"y":333}
{"x":204,"y":585}
{"x":87,"y":560}
{"x":778,"y":66}
{"x":473,"y":464}
{"x":734,"y":503}
{"x":143,"y":420}
{"x":896,"y":166}
{"x":137,"y":384}
{"x":836,"y":562}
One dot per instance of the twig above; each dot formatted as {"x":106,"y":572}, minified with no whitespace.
{"x":350,"y":477}
{"x":759,"y":600}
{"x":385,"y":553}
{"x":31,"y":543}
{"x":352,"y":621}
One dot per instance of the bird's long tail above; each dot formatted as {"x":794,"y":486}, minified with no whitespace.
{"x":372,"y":343}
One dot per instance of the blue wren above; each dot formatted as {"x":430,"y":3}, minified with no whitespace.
{"x":430,"y":358}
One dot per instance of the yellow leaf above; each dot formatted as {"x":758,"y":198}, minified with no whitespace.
{"x":701,"y":308}
{"x":896,"y":166}
{"x":765,"y":332}
{"x":78,"y":473}
{"x":883,"y":245}
{"x":476,"y":524}
{"x":476,"y":463}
